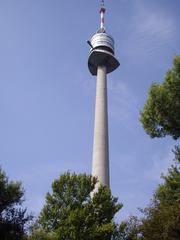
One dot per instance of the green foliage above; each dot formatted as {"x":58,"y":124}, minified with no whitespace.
{"x":169,"y":192}
{"x":12,"y":217}
{"x":161,"y":223}
{"x":161,"y":117}
{"x":40,"y":234}
{"x":72,"y":214}
{"x":161,"y":220}
{"x":128,"y":230}
{"x":161,"y":113}
{"x":162,"y":217}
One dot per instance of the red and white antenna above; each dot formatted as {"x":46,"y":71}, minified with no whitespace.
{"x":102,"y":12}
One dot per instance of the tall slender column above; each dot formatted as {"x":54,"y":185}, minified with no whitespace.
{"x":100,"y":167}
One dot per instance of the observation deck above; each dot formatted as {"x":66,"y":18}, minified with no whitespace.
{"x":102,"y":53}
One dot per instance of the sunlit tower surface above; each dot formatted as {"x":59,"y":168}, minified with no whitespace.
{"x":101,"y":62}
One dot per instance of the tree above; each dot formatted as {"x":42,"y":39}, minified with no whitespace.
{"x":13,"y":218}
{"x":161,"y":117}
{"x":128,"y":229}
{"x":73,"y":214}
{"x":162,"y":217}
{"x":41,"y":234}
{"x":161,"y":113}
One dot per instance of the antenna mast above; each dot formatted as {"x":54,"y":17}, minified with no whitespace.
{"x":102,"y":13}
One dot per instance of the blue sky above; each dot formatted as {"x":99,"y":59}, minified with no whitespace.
{"x":47,"y":95}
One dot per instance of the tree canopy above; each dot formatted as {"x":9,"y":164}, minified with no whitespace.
{"x":161,"y":117}
{"x":72,"y":213}
{"x":161,"y":113}
{"x":13,"y":218}
{"x":128,"y":229}
{"x":161,"y":218}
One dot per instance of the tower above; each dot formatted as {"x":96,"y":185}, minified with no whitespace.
{"x":101,"y":62}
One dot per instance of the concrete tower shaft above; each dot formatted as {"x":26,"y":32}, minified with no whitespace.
{"x":101,"y":62}
{"x":100,"y":164}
